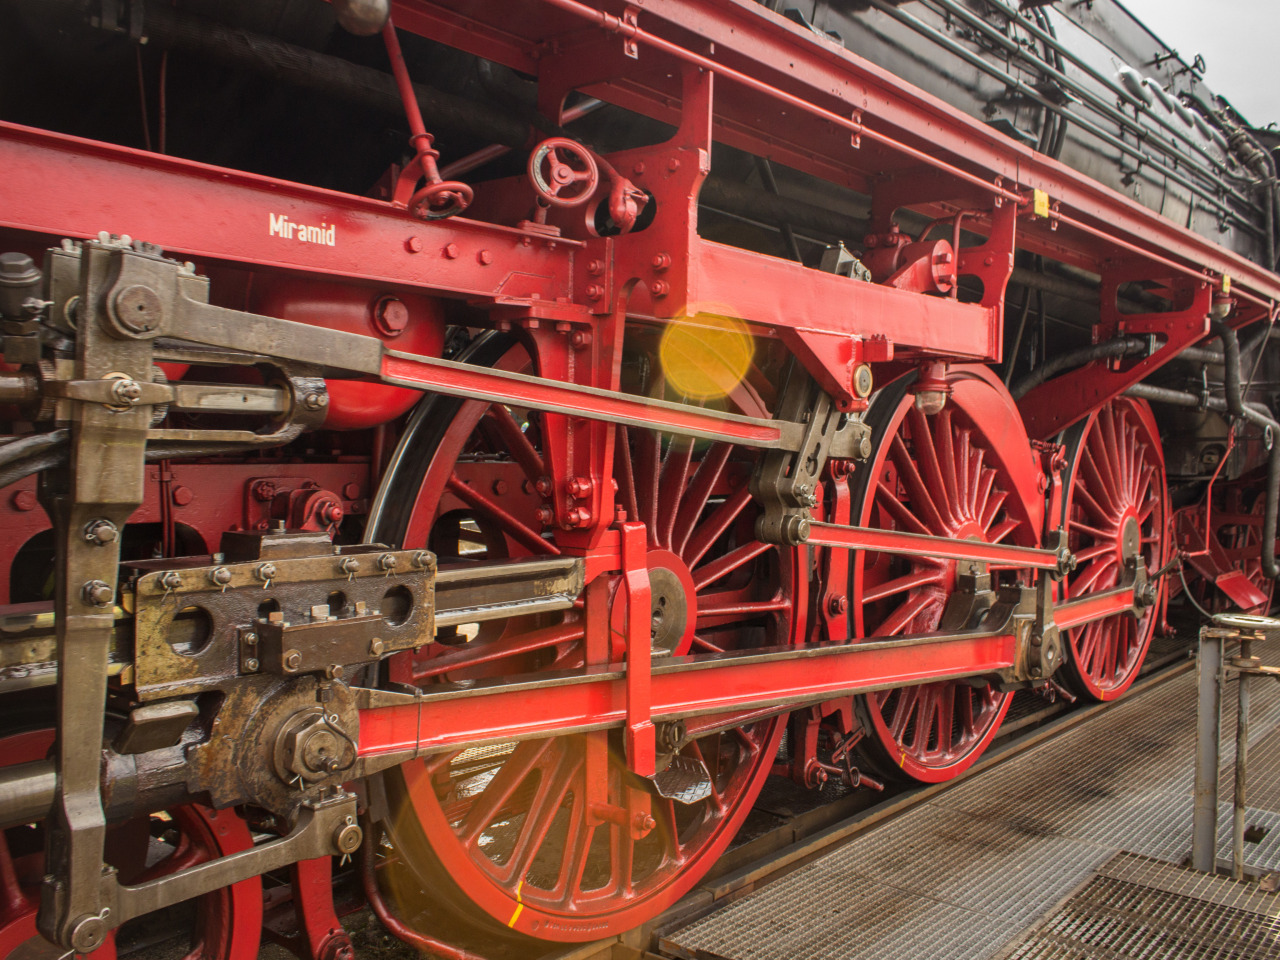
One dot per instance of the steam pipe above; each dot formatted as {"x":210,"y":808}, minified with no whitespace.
{"x":1237,"y":407}
{"x":1120,"y":347}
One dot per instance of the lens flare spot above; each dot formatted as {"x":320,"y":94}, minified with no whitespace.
{"x":706,"y":356}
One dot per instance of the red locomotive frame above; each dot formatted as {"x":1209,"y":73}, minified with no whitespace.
{"x":726,"y":71}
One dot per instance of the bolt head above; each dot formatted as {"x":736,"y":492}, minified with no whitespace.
{"x":451,"y":251}
{"x":251,"y":665}
{"x":485,"y":257}
{"x":126,"y":391}
{"x":315,"y":401}
{"x":413,"y":244}
{"x":138,"y":309}
{"x":376,"y":648}
{"x":101,"y":532}
{"x":97,"y":593}
{"x":88,"y":934}
{"x":391,"y":316}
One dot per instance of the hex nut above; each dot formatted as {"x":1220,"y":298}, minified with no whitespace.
{"x":292,"y":661}
{"x":219,"y":576}
{"x":101,"y":532}
{"x":97,"y":593}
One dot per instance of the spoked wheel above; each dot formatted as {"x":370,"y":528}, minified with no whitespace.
{"x":1238,"y":529}
{"x":1117,"y":508}
{"x":967,"y":473}
{"x":225,"y":924}
{"x":503,"y":831}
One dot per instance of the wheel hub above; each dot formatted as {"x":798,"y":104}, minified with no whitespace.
{"x":672,"y":604}
{"x":1130,"y":540}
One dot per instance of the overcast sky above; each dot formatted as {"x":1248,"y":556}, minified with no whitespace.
{"x":1240,"y":43}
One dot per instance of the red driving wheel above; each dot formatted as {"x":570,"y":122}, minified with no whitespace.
{"x":227,"y":923}
{"x":1117,"y":507}
{"x":502,"y":830}
{"x":966,"y":472}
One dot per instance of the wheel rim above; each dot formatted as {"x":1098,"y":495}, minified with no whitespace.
{"x":1117,"y":502}
{"x":967,"y":473}
{"x":228,"y":922}
{"x":504,"y":827}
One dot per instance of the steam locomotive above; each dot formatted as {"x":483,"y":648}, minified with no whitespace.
{"x":490,"y":440}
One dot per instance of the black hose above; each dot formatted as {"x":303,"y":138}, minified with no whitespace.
{"x":1237,"y":408}
{"x":1120,"y":347}
{"x":1012,"y":359}
{"x":33,"y":445}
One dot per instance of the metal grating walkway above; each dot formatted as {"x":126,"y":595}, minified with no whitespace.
{"x":1138,"y":907}
{"x":970,"y":872}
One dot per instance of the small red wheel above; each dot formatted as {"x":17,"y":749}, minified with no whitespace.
{"x":227,"y":922}
{"x":1117,"y":505}
{"x":563,"y":172}
{"x":439,"y":201}
{"x":966,"y":473}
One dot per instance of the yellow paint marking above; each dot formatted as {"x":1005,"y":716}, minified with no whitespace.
{"x":519,"y":906}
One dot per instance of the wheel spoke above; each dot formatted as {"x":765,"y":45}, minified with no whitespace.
{"x":516,"y":530}
{"x":501,"y":648}
{"x":516,"y":442}
{"x":926,"y":459}
{"x":897,"y":621}
{"x":902,"y":514}
{"x":916,"y":491}
{"x":624,"y":468}
{"x":543,"y":808}
{"x":647,"y":464}
{"x":910,"y":581}
{"x":714,"y":526}
{"x":907,"y":704}
{"x":948,"y":465}
{"x":671,"y":486}
{"x":705,"y":477}
{"x":714,"y":606}
{"x":725,"y":564}
{"x":994,"y":502}
{"x":498,"y":791}
{"x":944,"y":711}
